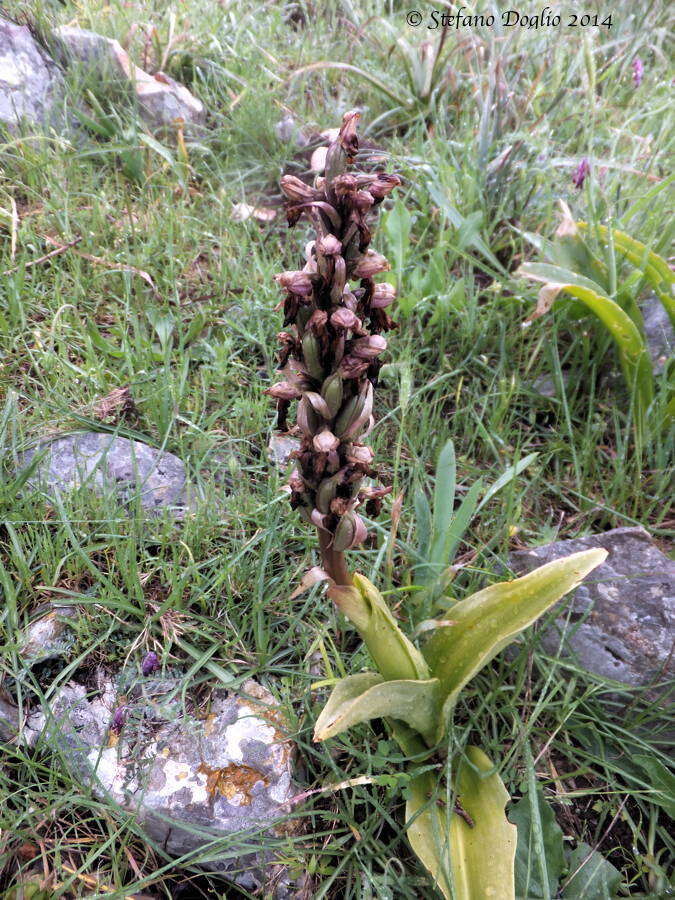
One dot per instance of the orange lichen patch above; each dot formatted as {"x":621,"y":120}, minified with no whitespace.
{"x":209,"y":723}
{"x":266,"y":709}
{"x":231,"y":781}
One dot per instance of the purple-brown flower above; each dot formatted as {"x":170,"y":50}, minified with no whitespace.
{"x":150,"y":663}
{"x":582,"y":172}
{"x":118,"y":719}
{"x":334,"y":314}
{"x":638,"y":71}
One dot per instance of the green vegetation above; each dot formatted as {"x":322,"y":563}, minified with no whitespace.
{"x":160,"y":294}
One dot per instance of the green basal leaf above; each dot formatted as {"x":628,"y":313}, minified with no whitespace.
{"x":360,"y":698}
{"x":482,"y":855}
{"x":656,"y":269}
{"x":661,"y":781}
{"x":395,"y":656}
{"x":465,"y":860}
{"x":540,"y":858}
{"x":592,"y":877}
{"x":428,"y":830}
{"x":444,"y":500}
{"x":483,"y":624}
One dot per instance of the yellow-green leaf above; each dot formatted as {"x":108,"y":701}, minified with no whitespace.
{"x":656,"y":269}
{"x":466,"y":861}
{"x":482,"y":856}
{"x":630,"y":344}
{"x":483,"y":624}
{"x":395,"y":656}
{"x":359,"y":698}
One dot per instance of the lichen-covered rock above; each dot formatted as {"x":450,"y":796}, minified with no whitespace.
{"x":189,"y":780}
{"x":114,"y":465}
{"x":620,"y":623}
{"x":31,"y":85}
{"x":161,"y":100}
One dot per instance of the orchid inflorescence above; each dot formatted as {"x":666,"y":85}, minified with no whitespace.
{"x":330,"y":354}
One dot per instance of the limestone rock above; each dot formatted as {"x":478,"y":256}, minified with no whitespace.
{"x":31,"y":85}
{"x":161,"y":100}
{"x":189,"y":780}
{"x":622,"y":618}
{"x":112,"y":465}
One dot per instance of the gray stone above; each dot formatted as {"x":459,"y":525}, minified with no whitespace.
{"x":161,"y":100}
{"x":619,"y":622}
{"x":280,"y":448}
{"x":112,"y":465}
{"x":9,"y":720}
{"x":188,"y":780}
{"x":31,"y":85}
{"x":288,"y":131}
{"x":48,"y":636}
{"x":659,"y":333}
{"x":547,"y":386}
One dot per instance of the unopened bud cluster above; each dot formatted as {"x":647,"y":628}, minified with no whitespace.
{"x":334,"y":316}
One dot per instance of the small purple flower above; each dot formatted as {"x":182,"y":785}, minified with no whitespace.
{"x":150,"y":663}
{"x":638,"y":71}
{"x":118,"y":719}
{"x":581,"y":174}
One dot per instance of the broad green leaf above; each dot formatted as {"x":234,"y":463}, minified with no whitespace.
{"x":397,"y":224}
{"x":573,"y":253}
{"x":163,"y":323}
{"x":359,"y":698}
{"x":591,"y":876}
{"x":655,"y":268}
{"x":395,"y":656}
{"x":460,"y":522}
{"x":661,"y":780}
{"x":423,"y":522}
{"x":482,"y":856}
{"x":428,"y":830}
{"x":630,"y":344}
{"x":483,"y":624}
{"x":540,"y":847}
{"x":101,"y":343}
{"x":570,"y":251}
{"x":465,"y":861}
{"x":444,"y":500}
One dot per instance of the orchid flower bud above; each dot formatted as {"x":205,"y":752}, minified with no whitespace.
{"x":350,"y":532}
{"x":328,"y":245}
{"x":296,"y":190}
{"x":369,"y":347}
{"x":360,"y":455}
{"x":296,"y":283}
{"x":383,"y":185}
{"x":370,"y":264}
{"x":345,"y":318}
{"x":384,"y":294}
{"x":283,"y":390}
{"x":150,"y":663}
{"x":325,"y":441}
